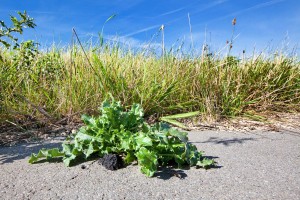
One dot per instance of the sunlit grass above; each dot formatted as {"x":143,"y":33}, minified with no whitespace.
{"x":63,"y":81}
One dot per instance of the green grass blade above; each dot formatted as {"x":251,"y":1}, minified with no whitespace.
{"x":182,"y":115}
{"x":174,"y":122}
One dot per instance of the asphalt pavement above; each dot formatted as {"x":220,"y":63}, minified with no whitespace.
{"x":251,"y":165}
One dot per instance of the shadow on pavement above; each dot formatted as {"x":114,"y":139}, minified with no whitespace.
{"x":168,"y":172}
{"x":21,"y":151}
{"x":227,"y":142}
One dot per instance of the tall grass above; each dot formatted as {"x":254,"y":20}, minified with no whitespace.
{"x":61,"y":81}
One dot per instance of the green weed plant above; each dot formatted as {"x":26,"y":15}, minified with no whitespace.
{"x":125,"y":133}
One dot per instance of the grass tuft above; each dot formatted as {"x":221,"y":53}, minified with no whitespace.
{"x":62,"y":81}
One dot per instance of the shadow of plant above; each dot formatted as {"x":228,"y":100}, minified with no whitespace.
{"x":227,"y":142}
{"x":21,"y":151}
{"x":168,"y":172}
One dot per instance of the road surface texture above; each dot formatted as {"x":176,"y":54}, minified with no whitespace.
{"x":253,"y":165}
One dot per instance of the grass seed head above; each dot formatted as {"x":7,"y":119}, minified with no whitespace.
{"x":234,"y":22}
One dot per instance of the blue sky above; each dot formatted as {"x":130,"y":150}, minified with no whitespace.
{"x":260,"y":23}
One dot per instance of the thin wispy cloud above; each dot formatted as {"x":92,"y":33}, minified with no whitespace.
{"x":216,"y":3}
{"x":177,"y":10}
{"x":28,"y":11}
{"x":41,"y":12}
{"x":172,"y":12}
{"x":210,"y":6}
{"x":255,"y":7}
{"x":258,"y":6}
{"x":132,"y":42}
{"x":142,"y":30}
{"x":206,"y":7}
{"x":55,"y":19}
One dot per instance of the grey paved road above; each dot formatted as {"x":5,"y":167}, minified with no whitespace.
{"x":251,"y":166}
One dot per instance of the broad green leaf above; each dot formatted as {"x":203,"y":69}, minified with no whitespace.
{"x":126,"y":141}
{"x":179,"y":160}
{"x":82,"y":135}
{"x":34,"y":157}
{"x":191,"y":154}
{"x":53,"y":153}
{"x":77,"y":151}
{"x":143,"y":140}
{"x":91,"y":149}
{"x":67,"y":160}
{"x":148,"y":161}
{"x":45,"y":153}
{"x":181,"y":135}
{"x":160,"y":127}
{"x":137,"y":110}
{"x":90,"y":121}
{"x":130,"y":157}
{"x":206,"y":163}
{"x":67,"y":148}
{"x":162,"y":137}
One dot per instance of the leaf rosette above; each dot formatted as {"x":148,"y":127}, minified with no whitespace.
{"x":117,"y":131}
